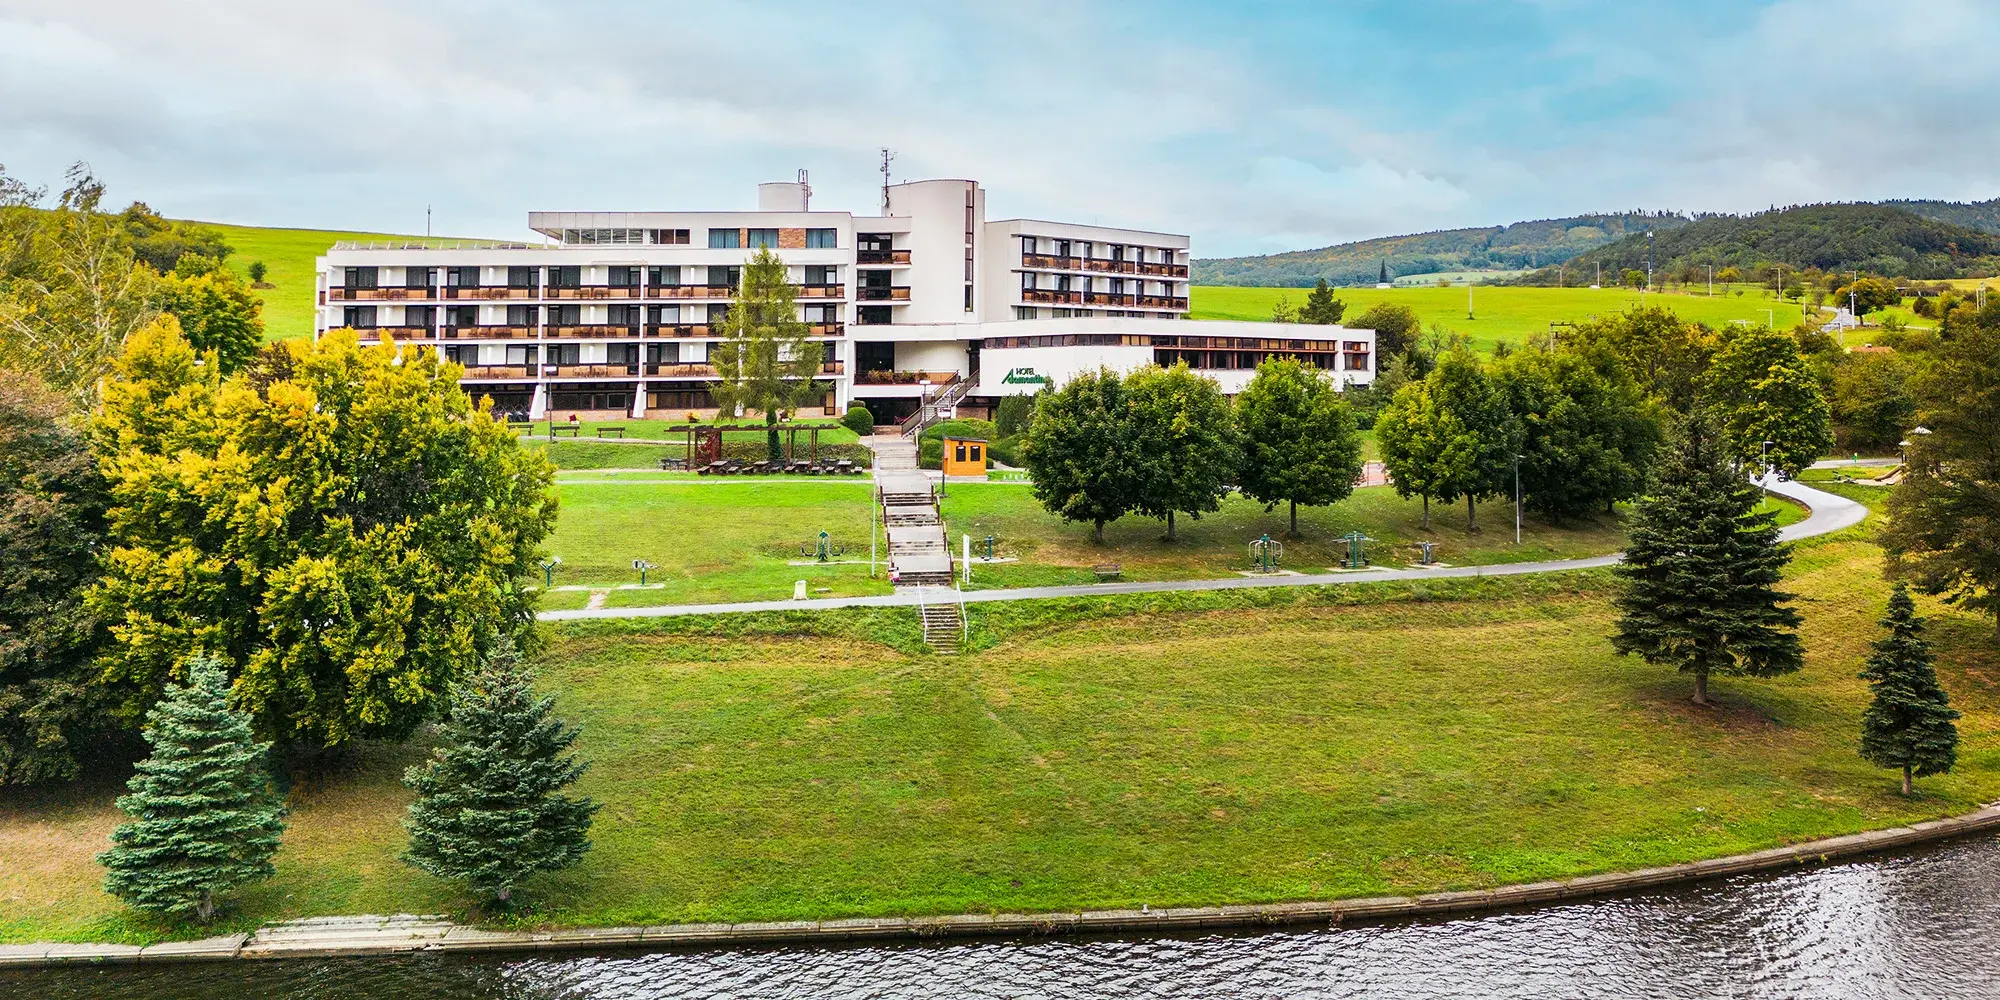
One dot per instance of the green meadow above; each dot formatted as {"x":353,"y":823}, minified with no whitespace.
{"x":288,"y":255}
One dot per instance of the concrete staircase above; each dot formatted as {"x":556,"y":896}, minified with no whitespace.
{"x":944,"y":624}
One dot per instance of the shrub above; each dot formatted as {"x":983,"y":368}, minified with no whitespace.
{"x":859,"y":420}
{"x":1013,"y":415}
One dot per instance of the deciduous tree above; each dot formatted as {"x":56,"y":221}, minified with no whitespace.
{"x":769,"y":360}
{"x":203,"y":817}
{"x":1396,"y":327}
{"x":1586,"y":433}
{"x":1185,"y":442}
{"x":1909,"y":724}
{"x":347,"y":526}
{"x":215,"y":309}
{"x":1872,"y":405}
{"x":1080,"y":451}
{"x":1701,"y":571}
{"x":1300,"y":444}
{"x":1759,"y":389}
{"x":492,"y":806}
{"x":51,"y":527}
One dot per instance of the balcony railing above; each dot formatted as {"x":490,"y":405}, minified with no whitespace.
{"x":1163,"y":302}
{"x":681,"y":330}
{"x":1050,"y":295}
{"x":499,"y":371}
{"x":1109,"y":299}
{"x":672,"y":370}
{"x":404,"y":333}
{"x":1102,"y":265}
{"x":881,"y":256}
{"x":894,"y":293}
{"x":345,"y":294}
{"x":590,"y":330}
{"x":903,"y":378}
{"x":470,"y":332}
{"x":1164,"y":270}
{"x":690,"y":292}
{"x":824,"y":292}
{"x":489,"y":292}
{"x":594,"y":292}
{"x":592,"y":371}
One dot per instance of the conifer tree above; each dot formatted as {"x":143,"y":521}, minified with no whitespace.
{"x":769,"y":359}
{"x":1701,"y":571}
{"x":204,"y":818}
{"x":1321,"y":307}
{"x":1909,"y":724}
{"x":490,"y":807}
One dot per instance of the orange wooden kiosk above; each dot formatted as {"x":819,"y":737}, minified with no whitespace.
{"x":964,"y":457}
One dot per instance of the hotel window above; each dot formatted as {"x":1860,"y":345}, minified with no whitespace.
{"x":462,"y":277}
{"x":461,"y":316}
{"x":819,"y":275}
{"x":873,"y":241}
{"x":1062,"y":248}
{"x":564,"y":315}
{"x":822,"y":239}
{"x":416,"y":277}
{"x":566,"y":277}
{"x":622,"y":315}
{"x":1027,"y":244}
{"x":668,"y":237}
{"x":520,"y":277}
{"x":1027,"y":312}
{"x":361,"y":277}
{"x":424,"y":316}
{"x":358,"y":317}
{"x":724,"y":277}
{"x":664,"y":277}
{"x":520,"y":315}
{"x":667,"y":314}
{"x":622,"y":277}
{"x":821,"y":314}
{"x":1027,"y":280}
{"x":725,"y":239}
{"x":718,"y":315}
{"x":872,"y":315}
{"x":968,"y":298}
{"x":760,"y":238}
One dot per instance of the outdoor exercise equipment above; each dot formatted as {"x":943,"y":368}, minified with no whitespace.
{"x":642,"y":566}
{"x":1265,"y":552}
{"x":1357,"y":554}
{"x":823,"y":550}
{"x":1429,"y":550}
{"x":989,"y":548}
{"x":549,"y":567}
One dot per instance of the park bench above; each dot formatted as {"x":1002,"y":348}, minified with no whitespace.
{"x":558,"y":429}
{"x":1107,"y":571}
{"x":672,"y":464}
{"x":610,"y":431}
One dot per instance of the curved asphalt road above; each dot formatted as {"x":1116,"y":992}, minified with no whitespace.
{"x":1829,"y":513}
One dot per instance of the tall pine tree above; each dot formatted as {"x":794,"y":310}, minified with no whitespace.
{"x":1909,"y":724}
{"x":490,"y":807}
{"x":1702,"y":569}
{"x":204,"y":819}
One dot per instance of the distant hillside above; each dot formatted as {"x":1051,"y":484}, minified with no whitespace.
{"x":288,"y":258}
{"x":1516,"y":247}
{"x":1981,"y":215}
{"x":1863,"y":237}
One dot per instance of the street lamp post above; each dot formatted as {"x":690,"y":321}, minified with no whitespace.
{"x":1517,"y":499}
{"x":1765,"y":479}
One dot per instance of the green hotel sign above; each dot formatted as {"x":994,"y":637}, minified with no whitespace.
{"x":1024,"y":376}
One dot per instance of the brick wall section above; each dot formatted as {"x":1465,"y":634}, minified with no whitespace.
{"x":791,"y":239}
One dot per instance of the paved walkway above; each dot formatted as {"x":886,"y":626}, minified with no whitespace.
{"x":1829,"y":513}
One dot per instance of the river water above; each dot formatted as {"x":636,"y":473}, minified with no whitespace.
{"x":1921,"y":924}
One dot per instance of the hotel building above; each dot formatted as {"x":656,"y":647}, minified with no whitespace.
{"x":926,"y":306}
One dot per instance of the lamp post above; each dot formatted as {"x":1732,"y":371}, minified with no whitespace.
{"x":1765,"y":479}
{"x":1517,"y":499}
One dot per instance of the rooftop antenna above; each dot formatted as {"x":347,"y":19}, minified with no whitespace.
{"x":887,"y":155}
{"x":805,"y":191}
{"x":427,"y":222}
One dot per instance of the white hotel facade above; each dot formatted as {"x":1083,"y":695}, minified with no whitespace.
{"x":616,"y":314}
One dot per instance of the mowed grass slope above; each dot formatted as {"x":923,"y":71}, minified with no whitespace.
{"x":1506,"y":314}
{"x":1169,"y":750}
{"x":288,"y":257}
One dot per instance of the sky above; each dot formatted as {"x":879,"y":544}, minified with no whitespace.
{"x":1253,"y":128}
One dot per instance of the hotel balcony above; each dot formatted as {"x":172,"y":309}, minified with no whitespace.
{"x":882,"y":257}
{"x":490,"y":292}
{"x":690,"y":292}
{"x":1050,"y":296}
{"x":600,"y":370}
{"x":1102,"y":265}
{"x":825,"y":292}
{"x":682,"y":330}
{"x":344,"y":294}
{"x":673,"y":370}
{"x":903,"y":377}
{"x":594,"y":292}
{"x":894,"y":293}
{"x":490,"y":372}
{"x":404,"y":334}
{"x":596,"y":331}
{"x":489,"y":333}
{"x":1163,"y":302}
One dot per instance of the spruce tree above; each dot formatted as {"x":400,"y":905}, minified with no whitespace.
{"x":1701,"y":571}
{"x":490,"y":807}
{"x":204,"y":818}
{"x":1909,"y":724}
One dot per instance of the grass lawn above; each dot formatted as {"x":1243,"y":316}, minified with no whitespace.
{"x":1159,"y":749}
{"x":1509,"y":314}
{"x":288,"y":255}
{"x":711,"y":540}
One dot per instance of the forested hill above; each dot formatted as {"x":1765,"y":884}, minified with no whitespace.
{"x":1874,"y":238}
{"x":1981,"y":215}
{"x":1521,"y":245}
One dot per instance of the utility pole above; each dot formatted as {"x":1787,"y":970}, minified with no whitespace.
{"x":1600,"y":276}
{"x":1711,"y":281}
{"x":886,"y":157}
{"x":1649,"y":260}
{"x":427,"y":222}
{"x":1517,"y":499}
